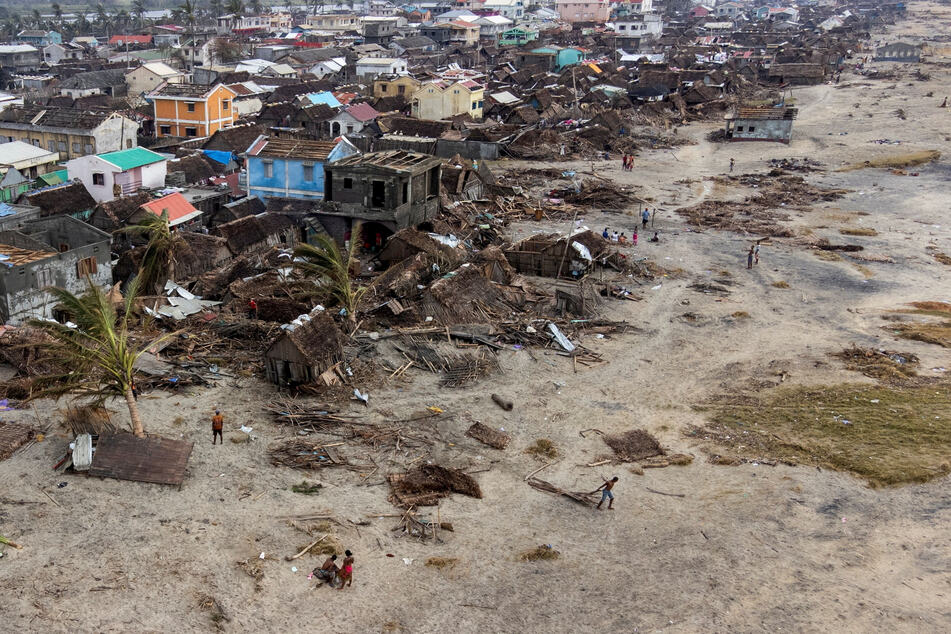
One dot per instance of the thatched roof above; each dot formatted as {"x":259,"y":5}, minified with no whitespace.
{"x":319,"y":341}
{"x":196,"y":167}
{"x":246,"y":232}
{"x":60,"y":200}
{"x":115,"y":214}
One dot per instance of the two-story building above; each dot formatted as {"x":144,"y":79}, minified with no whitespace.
{"x":191,"y":110}
{"x":492,"y":26}
{"x":512,"y":9}
{"x":572,"y":11}
{"x":441,"y":99}
{"x":56,"y":53}
{"x":116,"y":174}
{"x":71,"y":133}
{"x":379,"y":30}
{"x":337,"y":22}
{"x":291,"y":168}
{"x":551,"y":58}
{"x":19,"y":58}
{"x":372,"y":67}
{"x":39,"y":38}
{"x":385,"y":191}
{"x":151,"y":75}
{"x":516,"y":36}
{"x":31,"y":161}
{"x":395,"y":85}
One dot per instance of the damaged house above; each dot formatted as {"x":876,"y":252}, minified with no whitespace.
{"x":761,"y":124}
{"x":308,"y":346}
{"x":59,"y":251}
{"x":386,"y":191}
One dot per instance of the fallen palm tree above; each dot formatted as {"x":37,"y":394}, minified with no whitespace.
{"x":583,"y":498}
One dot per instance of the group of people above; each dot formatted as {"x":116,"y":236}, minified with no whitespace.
{"x":627,"y":162}
{"x":619,"y":238}
{"x":753,"y":256}
{"x":329,"y":572}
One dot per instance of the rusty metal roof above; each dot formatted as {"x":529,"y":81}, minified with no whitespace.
{"x":16,"y":256}
{"x":294,"y":148}
{"x":155,"y":460}
{"x":393,"y":159}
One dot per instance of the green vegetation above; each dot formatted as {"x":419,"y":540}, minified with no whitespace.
{"x":97,"y":349}
{"x":886,"y":435}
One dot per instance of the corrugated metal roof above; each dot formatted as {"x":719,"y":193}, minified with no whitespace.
{"x":178,"y":207}
{"x":155,"y":460}
{"x":130,"y":159}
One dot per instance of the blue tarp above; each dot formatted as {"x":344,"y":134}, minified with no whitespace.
{"x":6,"y":210}
{"x":219,"y":155}
{"x":323,"y":97}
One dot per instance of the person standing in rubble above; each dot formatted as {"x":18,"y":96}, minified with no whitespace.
{"x":645,"y":216}
{"x":605,"y":234}
{"x":252,"y":309}
{"x":749,"y":258}
{"x":217,"y":427}
{"x":732,"y":163}
{"x":634,"y":237}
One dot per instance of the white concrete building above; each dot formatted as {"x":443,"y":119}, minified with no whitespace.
{"x":372,"y":67}
{"x":150,"y":76}
{"x":110,"y":176}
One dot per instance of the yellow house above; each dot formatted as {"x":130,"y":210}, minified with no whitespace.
{"x":390,"y":85}
{"x":440,"y":99}
{"x":191,"y":110}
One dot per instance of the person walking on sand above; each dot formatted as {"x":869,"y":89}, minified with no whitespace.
{"x":606,"y":493}
{"x":634,"y":237}
{"x":328,"y":571}
{"x":645,"y":216}
{"x":346,"y":570}
{"x":756,"y":254}
{"x":217,"y":426}
{"x":624,"y":162}
{"x":732,"y":163}
{"x":749,"y":259}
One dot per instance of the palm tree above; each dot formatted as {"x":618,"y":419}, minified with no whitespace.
{"x":37,"y":18}
{"x":255,"y":6}
{"x":158,"y":263}
{"x":326,"y":262}
{"x":138,"y":10}
{"x":216,"y":6}
{"x":57,"y":13}
{"x":236,"y":7}
{"x":96,"y":348}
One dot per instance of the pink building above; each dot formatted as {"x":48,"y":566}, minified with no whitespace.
{"x":584,"y":10}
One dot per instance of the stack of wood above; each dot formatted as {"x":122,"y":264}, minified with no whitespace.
{"x":583,"y":498}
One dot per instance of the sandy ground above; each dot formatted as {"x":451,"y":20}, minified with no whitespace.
{"x":749,"y":548}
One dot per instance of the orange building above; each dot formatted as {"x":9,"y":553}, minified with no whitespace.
{"x":190,"y":110}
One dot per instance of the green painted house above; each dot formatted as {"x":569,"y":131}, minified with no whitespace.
{"x":517,"y":36}
{"x":12,"y":184}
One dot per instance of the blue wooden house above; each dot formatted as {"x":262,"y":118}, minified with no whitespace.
{"x":292,"y":168}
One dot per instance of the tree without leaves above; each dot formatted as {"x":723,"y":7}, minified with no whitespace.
{"x":331,"y":266}
{"x":98,"y":351}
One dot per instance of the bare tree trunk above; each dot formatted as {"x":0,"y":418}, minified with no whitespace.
{"x":137,"y":428}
